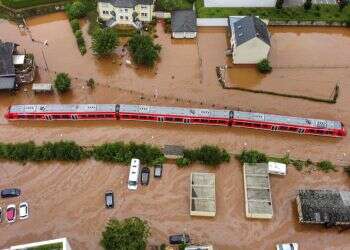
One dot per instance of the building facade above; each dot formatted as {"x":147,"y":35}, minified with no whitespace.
{"x":125,"y":12}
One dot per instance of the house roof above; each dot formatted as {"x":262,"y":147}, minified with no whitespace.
{"x":250,"y":27}
{"x":183,"y":21}
{"x":127,"y":3}
{"x":6,"y":62}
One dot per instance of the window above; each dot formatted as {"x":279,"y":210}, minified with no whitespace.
{"x":144,"y":14}
{"x":121,"y":18}
{"x":126,"y":18}
{"x":126,"y":10}
{"x":105,"y":12}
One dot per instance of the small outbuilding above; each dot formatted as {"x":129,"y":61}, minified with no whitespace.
{"x":183,"y":24}
{"x":249,"y":38}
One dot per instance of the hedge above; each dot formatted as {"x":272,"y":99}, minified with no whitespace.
{"x":19,"y":4}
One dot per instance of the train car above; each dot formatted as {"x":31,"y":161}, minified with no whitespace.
{"x":177,"y":115}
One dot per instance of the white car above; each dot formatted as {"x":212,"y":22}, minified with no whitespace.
{"x":287,"y":246}
{"x":23,"y":211}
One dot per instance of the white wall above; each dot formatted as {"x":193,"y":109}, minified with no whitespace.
{"x":251,"y":52}
{"x":239,"y":3}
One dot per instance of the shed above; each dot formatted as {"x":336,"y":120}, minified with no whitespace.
{"x":258,"y":201}
{"x":183,"y":24}
{"x":329,"y":207}
{"x":42,"y":87}
{"x":250,"y":39}
{"x":202,"y":196}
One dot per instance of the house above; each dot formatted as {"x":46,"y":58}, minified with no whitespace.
{"x":240,"y":3}
{"x":125,"y":12}
{"x":183,"y":24}
{"x":250,"y":39}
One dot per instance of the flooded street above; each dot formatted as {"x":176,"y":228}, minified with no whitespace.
{"x":66,"y":200}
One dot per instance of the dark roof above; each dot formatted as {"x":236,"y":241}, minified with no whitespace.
{"x":127,"y":3}
{"x":324,"y":206}
{"x":183,"y":21}
{"x":250,"y":27}
{"x":6,"y":64}
{"x":7,"y":83}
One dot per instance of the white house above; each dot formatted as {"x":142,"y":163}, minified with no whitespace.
{"x":183,"y":24}
{"x":125,"y":11}
{"x":239,"y":3}
{"x":250,"y":39}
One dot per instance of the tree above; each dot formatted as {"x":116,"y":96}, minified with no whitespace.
{"x":279,"y":4}
{"x":264,"y":66}
{"x":307,"y":4}
{"x":342,"y":4}
{"x":128,"y":234}
{"x":143,"y":50}
{"x":76,"y":10}
{"x":62,"y":82}
{"x":104,"y":41}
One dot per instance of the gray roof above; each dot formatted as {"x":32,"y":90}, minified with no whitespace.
{"x":183,"y":21}
{"x":7,"y":83}
{"x":248,"y":28}
{"x":127,"y":3}
{"x":6,"y":63}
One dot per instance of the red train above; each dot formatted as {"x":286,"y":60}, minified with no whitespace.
{"x":176,"y":115}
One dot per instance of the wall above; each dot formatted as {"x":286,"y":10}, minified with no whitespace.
{"x":251,"y":52}
{"x":239,"y":3}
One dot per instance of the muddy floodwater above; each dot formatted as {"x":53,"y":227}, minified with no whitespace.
{"x":66,"y":200}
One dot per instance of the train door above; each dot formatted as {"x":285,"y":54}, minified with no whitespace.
{"x":48,"y":117}
{"x":160,"y":119}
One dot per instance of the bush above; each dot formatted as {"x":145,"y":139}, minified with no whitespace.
{"x":252,"y":156}
{"x":143,"y":50}
{"x":104,"y":41}
{"x":78,"y":34}
{"x":76,"y":10}
{"x":82,"y":49}
{"x":298,"y":164}
{"x":264,"y":66}
{"x":183,"y":162}
{"x":62,"y":82}
{"x":325,"y":166}
{"x":130,"y":233}
{"x":307,"y":4}
{"x":74,"y":23}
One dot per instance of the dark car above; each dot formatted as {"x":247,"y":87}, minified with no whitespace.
{"x":109,"y":199}
{"x":158,"y":170}
{"x":10,"y":192}
{"x":179,"y":238}
{"x":145,"y":172}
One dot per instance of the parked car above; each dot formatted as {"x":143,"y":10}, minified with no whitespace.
{"x":179,"y":238}
{"x":287,"y":246}
{"x":10,"y":192}
{"x":109,"y":199}
{"x":11,"y":213}
{"x":23,"y":211}
{"x":158,"y":170}
{"x":145,"y":173}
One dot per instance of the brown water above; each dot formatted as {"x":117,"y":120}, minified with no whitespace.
{"x":186,"y":72}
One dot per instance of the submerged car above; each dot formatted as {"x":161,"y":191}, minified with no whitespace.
{"x":145,"y":172}
{"x":109,"y":199}
{"x":177,"y":239}
{"x":23,"y":211}
{"x":158,"y":170}
{"x":11,"y":213}
{"x":10,"y":192}
{"x":287,"y":246}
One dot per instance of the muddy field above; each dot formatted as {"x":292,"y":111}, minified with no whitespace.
{"x":67,"y":200}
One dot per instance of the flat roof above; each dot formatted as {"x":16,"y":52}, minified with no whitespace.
{"x":324,"y":207}
{"x":258,"y":201}
{"x":203,"y":200}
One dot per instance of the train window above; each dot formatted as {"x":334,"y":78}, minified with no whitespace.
{"x":21,"y":116}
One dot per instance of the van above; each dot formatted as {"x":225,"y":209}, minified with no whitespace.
{"x":134,"y":174}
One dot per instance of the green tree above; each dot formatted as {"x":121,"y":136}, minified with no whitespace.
{"x":76,"y":10}
{"x":279,"y":4}
{"x":74,"y":23}
{"x":129,"y":234}
{"x":143,"y":50}
{"x":264,"y":66}
{"x":62,"y":82}
{"x":104,"y":41}
{"x":307,"y":5}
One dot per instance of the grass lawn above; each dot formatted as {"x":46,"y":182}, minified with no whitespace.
{"x":170,"y":5}
{"x":329,"y":13}
{"x":18,"y":4}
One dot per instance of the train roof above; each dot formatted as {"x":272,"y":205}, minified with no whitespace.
{"x":40,"y":108}
{"x":291,"y":120}
{"x":194,"y":112}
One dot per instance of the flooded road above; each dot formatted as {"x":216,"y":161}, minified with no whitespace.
{"x":185,"y":76}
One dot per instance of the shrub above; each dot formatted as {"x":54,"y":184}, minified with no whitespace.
{"x":298,"y":164}
{"x":264,"y":66}
{"x":82,"y":49}
{"x":76,"y":10}
{"x":143,"y":50}
{"x":307,"y":4}
{"x":342,"y":4}
{"x":74,"y":23}
{"x":78,"y":34}
{"x":252,"y":156}
{"x":62,"y":82}
{"x":183,"y":162}
{"x":325,"y":166}
{"x":104,"y":41}
{"x":130,"y":233}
